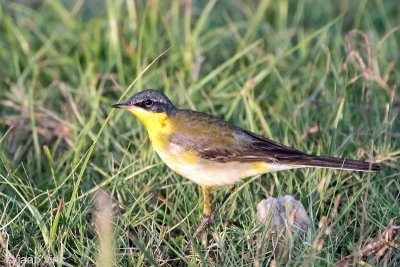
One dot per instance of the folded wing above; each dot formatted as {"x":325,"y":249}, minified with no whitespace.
{"x":217,"y":140}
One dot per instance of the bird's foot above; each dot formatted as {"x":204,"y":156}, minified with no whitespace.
{"x":209,"y":219}
{"x":204,"y":225}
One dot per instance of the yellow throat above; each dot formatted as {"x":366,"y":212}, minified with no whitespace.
{"x":157,"y":124}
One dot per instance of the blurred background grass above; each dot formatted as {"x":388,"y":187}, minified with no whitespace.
{"x":273,"y":67}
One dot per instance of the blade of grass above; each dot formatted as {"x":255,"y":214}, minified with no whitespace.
{"x":53,"y":230}
{"x":339,"y":114}
{"x":33,"y":126}
{"x":51,"y":162}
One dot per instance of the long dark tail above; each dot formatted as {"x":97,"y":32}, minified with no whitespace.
{"x":275,"y":152}
{"x":337,"y":163}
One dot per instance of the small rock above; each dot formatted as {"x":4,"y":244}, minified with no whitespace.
{"x":273,"y":211}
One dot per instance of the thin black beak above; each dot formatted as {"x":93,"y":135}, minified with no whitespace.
{"x":121,"y":105}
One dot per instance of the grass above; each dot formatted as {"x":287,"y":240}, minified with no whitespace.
{"x":273,"y":67}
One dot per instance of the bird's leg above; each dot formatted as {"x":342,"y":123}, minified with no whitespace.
{"x":207,"y":200}
{"x":209,"y":215}
{"x":207,"y":211}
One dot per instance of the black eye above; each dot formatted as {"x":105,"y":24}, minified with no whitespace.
{"x":149,"y":102}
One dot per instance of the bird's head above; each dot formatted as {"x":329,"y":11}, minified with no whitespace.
{"x":147,"y":104}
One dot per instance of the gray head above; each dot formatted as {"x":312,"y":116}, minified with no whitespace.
{"x":150,"y":100}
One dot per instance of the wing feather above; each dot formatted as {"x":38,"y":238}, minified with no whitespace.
{"x":217,"y":140}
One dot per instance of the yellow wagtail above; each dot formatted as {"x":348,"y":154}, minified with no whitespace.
{"x":211,"y":152}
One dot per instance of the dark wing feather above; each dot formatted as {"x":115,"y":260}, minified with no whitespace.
{"x":219,"y":141}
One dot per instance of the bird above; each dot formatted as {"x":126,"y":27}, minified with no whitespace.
{"x":212,"y":152}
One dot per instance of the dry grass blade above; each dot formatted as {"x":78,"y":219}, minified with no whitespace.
{"x":370,"y":70}
{"x":104,"y":225}
{"x":308,"y":132}
{"x":9,"y":258}
{"x":379,"y":246}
